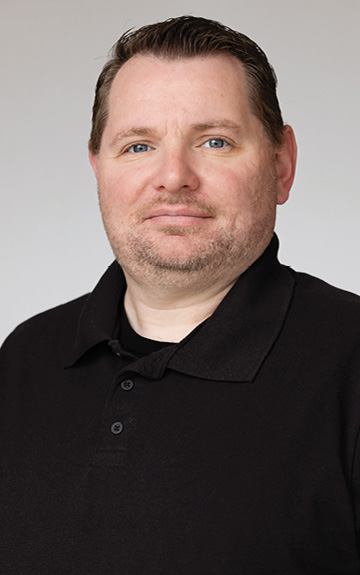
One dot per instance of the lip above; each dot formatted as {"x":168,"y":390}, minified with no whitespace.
{"x":176,"y":211}
{"x":176,"y":215}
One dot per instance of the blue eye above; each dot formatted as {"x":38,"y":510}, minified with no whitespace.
{"x":215,"y":143}
{"x":138,"y":148}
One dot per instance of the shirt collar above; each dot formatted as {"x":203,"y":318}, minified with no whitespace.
{"x":230,"y":346}
{"x":234,"y":342}
{"x":98,"y":319}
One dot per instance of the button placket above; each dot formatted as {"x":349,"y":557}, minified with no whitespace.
{"x":119,"y":418}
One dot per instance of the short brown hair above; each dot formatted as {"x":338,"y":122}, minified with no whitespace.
{"x":187,"y":37}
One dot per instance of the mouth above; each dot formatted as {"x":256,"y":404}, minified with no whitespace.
{"x":177,"y":215}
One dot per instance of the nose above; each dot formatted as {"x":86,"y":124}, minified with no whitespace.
{"x":175,"y":172}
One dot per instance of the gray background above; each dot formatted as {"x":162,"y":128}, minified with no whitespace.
{"x":52,"y":245}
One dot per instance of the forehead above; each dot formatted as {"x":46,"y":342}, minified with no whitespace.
{"x":212,"y":63}
{"x":206,"y":79}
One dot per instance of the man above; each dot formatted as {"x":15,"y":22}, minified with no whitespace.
{"x":198,"y":412}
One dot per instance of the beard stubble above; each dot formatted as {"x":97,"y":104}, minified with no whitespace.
{"x":236,"y":246}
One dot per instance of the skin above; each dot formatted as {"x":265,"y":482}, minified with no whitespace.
{"x":188,"y":187}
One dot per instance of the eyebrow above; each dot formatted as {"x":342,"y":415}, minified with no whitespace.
{"x":216,"y":125}
{"x":135,"y":131}
{"x":143,"y":131}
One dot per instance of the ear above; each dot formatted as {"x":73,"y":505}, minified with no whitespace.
{"x":285,"y":160}
{"x":94,"y":162}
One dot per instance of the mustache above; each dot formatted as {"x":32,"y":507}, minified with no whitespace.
{"x":205,"y":208}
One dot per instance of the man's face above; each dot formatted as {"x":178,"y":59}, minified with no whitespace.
{"x":188,"y":181}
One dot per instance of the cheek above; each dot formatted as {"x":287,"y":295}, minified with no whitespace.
{"x":115,"y":192}
{"x":237,"y":188}
{"x":249,"y":193}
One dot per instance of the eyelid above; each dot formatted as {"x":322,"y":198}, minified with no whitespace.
{"x":128,"y":148}
{"x":225,"y":140}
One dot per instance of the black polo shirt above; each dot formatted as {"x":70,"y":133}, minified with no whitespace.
{"x":232,"y":452}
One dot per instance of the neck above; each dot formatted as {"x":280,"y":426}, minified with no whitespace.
{"x":171,"y":314}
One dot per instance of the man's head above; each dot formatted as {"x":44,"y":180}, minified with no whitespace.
{"x":189,"y":168}
{"x":188,"y":37}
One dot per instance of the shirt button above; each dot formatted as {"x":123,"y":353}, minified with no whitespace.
{"x":127,"y":385}
{"x":117,"y":427}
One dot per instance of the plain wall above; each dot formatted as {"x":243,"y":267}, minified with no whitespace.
{"x":52,"y":245}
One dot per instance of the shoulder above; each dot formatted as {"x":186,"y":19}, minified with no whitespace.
{"x":45,"y":326}
{"x":82,"y":321}
{"x":317,"y":290}
{"x":325,"y":308}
